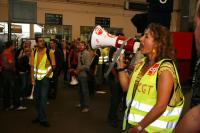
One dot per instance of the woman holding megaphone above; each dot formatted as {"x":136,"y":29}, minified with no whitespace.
{"x":154,"y":96}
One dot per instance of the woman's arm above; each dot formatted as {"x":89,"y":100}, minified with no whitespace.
{"x":123,"y":76}
{"x":124,"y":80}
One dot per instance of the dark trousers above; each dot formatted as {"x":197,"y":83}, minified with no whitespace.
{"x":115,"y":99}
{"x":53,"y":83}
{"x":1,"y":85}
{"x":65,"y":71}
{"x":10,"y":89}
{"x":41,"y":96}
{"x":91,"y":84}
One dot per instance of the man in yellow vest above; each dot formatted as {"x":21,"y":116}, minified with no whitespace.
{"x":42,"y":66}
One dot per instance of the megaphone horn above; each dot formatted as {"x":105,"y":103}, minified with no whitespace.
{"x":74,"y":81}
{"x":101,"y":38}
{"x":32,"y":91}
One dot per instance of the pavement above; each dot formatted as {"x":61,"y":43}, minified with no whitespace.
{"x":62,"y":114}
{"x":64,"y":117}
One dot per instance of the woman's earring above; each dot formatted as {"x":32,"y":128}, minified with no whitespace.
{"x":154,"y":51}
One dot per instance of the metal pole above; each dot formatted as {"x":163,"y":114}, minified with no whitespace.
{"x":10,"y":2}
{"x":9,"y":31}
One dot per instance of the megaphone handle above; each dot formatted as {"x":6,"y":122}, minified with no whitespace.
{"x":116,"y":58}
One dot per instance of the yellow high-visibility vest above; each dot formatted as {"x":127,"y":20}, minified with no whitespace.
{"x":41,"y":71}
{"x":145,"y":98}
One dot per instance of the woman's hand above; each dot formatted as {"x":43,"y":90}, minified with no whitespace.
{"x":121,"y":61}
{"x":135,"y":129}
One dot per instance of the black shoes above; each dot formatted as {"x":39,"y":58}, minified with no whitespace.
{"x":45,"y":124}
{"x":42,"y":123}
{"x":35,"y":121}
{"x":113,"y":123}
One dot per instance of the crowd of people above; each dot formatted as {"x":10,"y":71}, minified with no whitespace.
{"x":25,"y":70}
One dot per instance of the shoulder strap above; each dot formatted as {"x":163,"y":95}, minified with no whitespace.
{"x":48,"y":56}
{"x":34,"y":52}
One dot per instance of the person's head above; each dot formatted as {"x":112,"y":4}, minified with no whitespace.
{"x":197,"y":27}
{"x":27,"y":44}
{"x":10,"y":45}
{"x":64,"y":44}
{"x":81,"y":46}
{"x":40,"y":42}
{"x":76,"y":42}
{"x":156,"y":42}
{"x":52,"y":44}
{"x":27,"y":51}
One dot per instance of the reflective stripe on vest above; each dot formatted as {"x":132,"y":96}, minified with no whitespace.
{"x":156,"y":123}
{"x":145,"y":107}
{"x":41,"y":71}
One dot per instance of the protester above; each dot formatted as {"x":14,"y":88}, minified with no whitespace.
{"x":154,"y":98}
{"x":9,"y":76}
{"x":53,"y":86}
{"x":82,"y":70}
{"x":42,"y":66}
{"x":93,"y":72}
{"x":65,"y":54}
{"x":116,"y":93}
{"x":23,"y":69}
{"x":73,"y":59}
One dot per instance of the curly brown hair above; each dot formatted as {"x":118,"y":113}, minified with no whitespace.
{"x":163,"y":37}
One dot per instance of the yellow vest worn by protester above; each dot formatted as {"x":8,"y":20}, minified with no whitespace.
{"x":41,"y":71}
{"x":145,"y":97}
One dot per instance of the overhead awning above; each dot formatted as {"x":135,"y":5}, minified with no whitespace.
{"x":16,"y":28}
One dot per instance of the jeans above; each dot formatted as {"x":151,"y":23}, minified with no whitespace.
{"x":41,"y":96}
{"x":24,"y":87}
{"x":83,"y":89}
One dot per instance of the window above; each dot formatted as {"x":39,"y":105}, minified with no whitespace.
{"x":85,"y":33}
{"x":104,"y":22}
{"x":54,"y":19}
